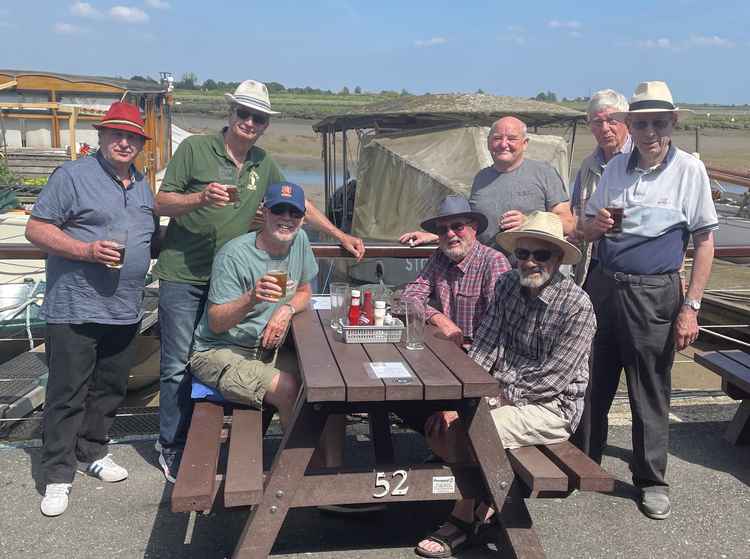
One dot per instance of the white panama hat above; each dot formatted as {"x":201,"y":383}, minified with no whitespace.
{"x":253,"y":95}
{"x":651,"y":97}
{"x":544,"y":226}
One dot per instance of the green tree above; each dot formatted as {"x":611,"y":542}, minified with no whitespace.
{"x":210,"y":85}
{"x":344,"y":91}
{"x":357,"y":90}
{"x":188,"y":81}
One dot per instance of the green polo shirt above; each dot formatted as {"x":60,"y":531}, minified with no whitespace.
{"x":194,"y":238}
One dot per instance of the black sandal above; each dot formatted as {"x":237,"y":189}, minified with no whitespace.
{"x":454,"y":535}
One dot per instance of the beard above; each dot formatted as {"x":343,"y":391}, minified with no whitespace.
{"x":534,"y":278}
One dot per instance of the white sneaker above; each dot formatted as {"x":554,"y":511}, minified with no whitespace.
{"x":157,"y":446}
{"x":55,"y":499}
{"x":105,"y":469}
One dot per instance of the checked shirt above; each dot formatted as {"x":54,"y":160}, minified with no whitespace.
{"x":538,"y":348}
{"x":463,"y":291}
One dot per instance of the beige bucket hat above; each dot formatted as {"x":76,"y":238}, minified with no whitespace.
{"x":253,"y":95}
{"x":651,"y":97}
{"x":544,"y":226}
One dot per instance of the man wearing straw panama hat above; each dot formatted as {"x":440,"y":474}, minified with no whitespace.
{"x":661,"y":197}
{"x":535,"y":340}
{"x":212,"y":190}
{"x":93,"y":298}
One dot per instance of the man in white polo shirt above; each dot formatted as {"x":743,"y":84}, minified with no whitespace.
{"x":642,"y":313}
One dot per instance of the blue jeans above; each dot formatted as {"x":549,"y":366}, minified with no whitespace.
{"x":180,"y":309}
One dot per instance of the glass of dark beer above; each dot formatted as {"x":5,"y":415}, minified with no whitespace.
{"x":616,"y":212}
{"x":118,"y":235}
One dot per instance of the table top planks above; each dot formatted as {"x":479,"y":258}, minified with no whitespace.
{"x":334,"y":371}
{"x":732,"y":365}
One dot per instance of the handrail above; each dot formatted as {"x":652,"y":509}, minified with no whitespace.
{"x":734,"y":177}
{"x":21,"y":251}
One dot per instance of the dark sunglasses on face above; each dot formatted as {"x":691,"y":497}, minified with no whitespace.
{"x":456,"y":227}
{"x":658,"y":124}
{"x":245,"y":114}
{"x":541,"y":255}
{"x":281,"y":209}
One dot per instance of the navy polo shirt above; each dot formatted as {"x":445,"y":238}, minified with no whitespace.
{"x":83,"y":198}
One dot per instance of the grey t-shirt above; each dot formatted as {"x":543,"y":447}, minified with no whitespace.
{"x":534,"y":186}
{"x":236,"y":268}
{"x":83,"y":198}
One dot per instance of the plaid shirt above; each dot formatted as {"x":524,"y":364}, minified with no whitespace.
{"x":463,"y":290}
{"x":538,"y":348}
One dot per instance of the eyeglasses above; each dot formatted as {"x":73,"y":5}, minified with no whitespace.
{"x":600,"y":122}
{"x":657,"y":124}
{"x":281,"y":209}
{"x":246,"y":114}
{"x":509,"y":139}
{"x":456,"y":227}
{"x":541,"y":255}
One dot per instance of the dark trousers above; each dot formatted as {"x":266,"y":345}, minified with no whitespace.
{"x":635,"y":318}
{"x":88,"y":377}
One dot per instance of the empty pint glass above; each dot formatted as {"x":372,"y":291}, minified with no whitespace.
{"x":339,"y":293}
{"x":414,"y":324}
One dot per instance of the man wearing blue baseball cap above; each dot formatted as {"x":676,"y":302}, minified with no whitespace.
{"x":250,"y":304}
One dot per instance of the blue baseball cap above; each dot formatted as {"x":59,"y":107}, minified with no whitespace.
{"x":285,"y":193}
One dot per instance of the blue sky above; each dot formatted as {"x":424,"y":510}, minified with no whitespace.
{"x":572,"y":48}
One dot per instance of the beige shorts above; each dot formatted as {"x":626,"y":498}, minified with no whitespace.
{"x":240,"y":374}
{"x":530,"y":424}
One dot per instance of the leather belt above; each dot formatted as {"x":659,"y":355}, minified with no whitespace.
{"x":637,"y":279}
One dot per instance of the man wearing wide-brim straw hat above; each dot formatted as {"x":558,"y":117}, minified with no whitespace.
{"x":662,"y":196}
{"x":89,"y":211}
{"x":535,"y":340}
{"x":212,"y":189}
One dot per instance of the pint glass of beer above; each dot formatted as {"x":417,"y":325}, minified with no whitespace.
{"x":118,"y":235}
{"x":277,"y":269}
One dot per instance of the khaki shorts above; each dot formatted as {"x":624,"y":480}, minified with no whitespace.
{"x":240,"y":374}
{"x":530,"y":424}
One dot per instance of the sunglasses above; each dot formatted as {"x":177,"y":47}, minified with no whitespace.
{"x":281,"y":209}
{"x":456,"y":227}
{"x":657,"y":124}
{"x":541,"y":255}
{"x":246,"y":114}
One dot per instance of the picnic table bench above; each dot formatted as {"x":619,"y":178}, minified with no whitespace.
{"x":734,"y":368}
{"x":335,"y":382}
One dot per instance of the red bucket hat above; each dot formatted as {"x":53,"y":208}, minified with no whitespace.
{"x":123,"y":116}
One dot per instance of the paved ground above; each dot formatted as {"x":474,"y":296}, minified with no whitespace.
{"x":710,"y":488}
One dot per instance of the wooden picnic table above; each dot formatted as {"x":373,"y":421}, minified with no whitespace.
{"x":335,"y":381}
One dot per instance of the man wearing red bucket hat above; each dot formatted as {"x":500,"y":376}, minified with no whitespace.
{"x":95,"y":220}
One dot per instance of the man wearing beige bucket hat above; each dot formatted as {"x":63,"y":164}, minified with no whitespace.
{"x":212,"y":190}
{"x":535,"y":340}
{"x":661,"y":197}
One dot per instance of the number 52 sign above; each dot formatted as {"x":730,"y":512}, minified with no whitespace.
{"x":384,"y":485}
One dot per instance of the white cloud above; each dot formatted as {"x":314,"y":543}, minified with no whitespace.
{"x":661,"y":43}
{"x":66,"y":28}
{"x":557,"y":24}
{"x":431,"y":42}
{"x":84,"y":9}
{"x":128,"y":14}
{"x":158,"y":4}
{"x":710,"y":41}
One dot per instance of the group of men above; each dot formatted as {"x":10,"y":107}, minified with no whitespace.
{"x":556,"y":344}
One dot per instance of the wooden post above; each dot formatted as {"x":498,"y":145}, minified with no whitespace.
{"x":697,"y":140}
{"x":72,"y":123}
{"x":55,"y":129}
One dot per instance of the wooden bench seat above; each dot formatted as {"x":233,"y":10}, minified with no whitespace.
{"x":733,"y":366}
{"x":199,"y":479}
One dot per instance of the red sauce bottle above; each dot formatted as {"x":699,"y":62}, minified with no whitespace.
{"x":354,"y":311}
{"x":367,"y":316}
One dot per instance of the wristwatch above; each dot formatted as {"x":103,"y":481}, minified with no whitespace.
{"x":694,"y":304}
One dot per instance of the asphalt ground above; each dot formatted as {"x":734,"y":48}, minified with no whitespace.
{"x":710,"y":493}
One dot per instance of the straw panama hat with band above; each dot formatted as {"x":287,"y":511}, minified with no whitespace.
{"x":123,"y":116}
{"x":651,"y":97}
{"x":253,"y":95}
{"x":544,"y":226}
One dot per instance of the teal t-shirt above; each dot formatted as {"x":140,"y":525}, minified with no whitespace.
{"x":236,"y":268}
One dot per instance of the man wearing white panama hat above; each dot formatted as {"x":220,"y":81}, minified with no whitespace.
{"x":212,"y":190}
{"x":535,"y":340}
{"x":664,"y":197}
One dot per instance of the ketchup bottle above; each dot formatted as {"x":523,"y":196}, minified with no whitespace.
{"x":354,"y":313}
{"x":367,"y":316}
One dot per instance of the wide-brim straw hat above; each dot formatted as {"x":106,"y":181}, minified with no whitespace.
{"x":544,"y":226}
{"x":455,"y":206}
{"x":123,"y":116}
{"x":651,"y":97}
{"x":253,"y":95}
